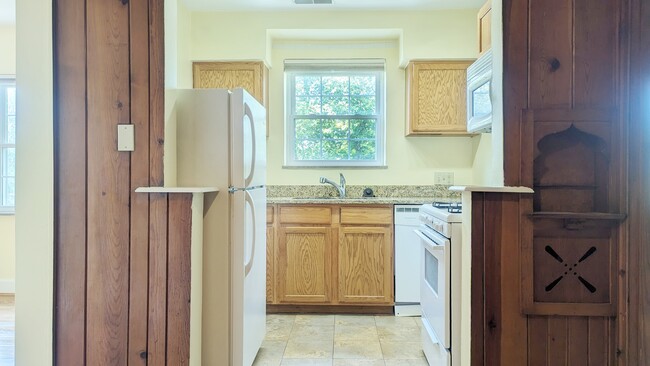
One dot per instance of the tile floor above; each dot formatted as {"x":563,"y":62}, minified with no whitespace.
{"x":7,"y":330}
{"x":303,"y":340}
{"x":341,"y":340}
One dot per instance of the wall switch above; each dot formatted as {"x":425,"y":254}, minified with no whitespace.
{"x":125,"y":138}
{"x":444,"y":178}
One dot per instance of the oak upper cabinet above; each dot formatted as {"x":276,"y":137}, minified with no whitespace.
{"x":365,"y":252}
{"x":304,"y":255}
{"x":485,"y":27}
{"x":270,"y":254}
{"x":250,"y":75}
{"x":436,"y":97}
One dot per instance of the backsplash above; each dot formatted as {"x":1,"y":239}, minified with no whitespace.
{"x":352,"y":191}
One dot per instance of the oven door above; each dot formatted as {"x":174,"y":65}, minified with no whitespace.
{"x":434,"y":284}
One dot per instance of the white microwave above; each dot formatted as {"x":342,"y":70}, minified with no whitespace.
{"x":479,"y":94}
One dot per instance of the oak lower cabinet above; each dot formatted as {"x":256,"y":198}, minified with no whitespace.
{"x":304,"y":265}
{"x":365,"y":265}
{"x":333,"y":255}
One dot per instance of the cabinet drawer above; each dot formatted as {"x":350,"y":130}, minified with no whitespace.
{"x":270,"y":210}
{"x":305,"y":215}
{"x":366,"y":215}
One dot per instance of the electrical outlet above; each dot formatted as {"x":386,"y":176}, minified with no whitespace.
{"x":444,"y":178}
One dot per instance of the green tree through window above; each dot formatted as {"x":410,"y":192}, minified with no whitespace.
{"x":335,"y":115}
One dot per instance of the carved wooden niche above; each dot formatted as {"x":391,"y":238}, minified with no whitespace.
{"x":570,"y":173}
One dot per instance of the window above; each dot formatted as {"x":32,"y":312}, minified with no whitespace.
{"x":335,"y":113}
{"x":7,"y":145}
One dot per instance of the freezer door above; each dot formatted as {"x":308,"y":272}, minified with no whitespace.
{"x":248,"y":140}
{"x":248,"y":274}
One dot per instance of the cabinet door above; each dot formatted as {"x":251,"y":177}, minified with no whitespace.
{"x":304,"y":264}
{"x":437,"y":100}
{"x":365,"y":265}
{"x":252,"y":76}
{"x":485,"y":27}
{"x":270,"y":255}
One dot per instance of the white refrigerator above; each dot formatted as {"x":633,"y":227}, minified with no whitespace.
{"x":221,"y":141}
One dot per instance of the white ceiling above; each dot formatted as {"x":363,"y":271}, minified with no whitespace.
{"x":251,"y":5}
{"x":7,"y":11}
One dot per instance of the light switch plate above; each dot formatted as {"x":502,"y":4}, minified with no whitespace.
{"x":125,"y":138}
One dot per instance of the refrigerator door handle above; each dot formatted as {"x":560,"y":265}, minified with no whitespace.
{"x":249,"y":264}
{"x":248,"y":113}
{"x":232,"y":189}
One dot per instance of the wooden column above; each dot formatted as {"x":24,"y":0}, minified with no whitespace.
{"x":122,"y":259}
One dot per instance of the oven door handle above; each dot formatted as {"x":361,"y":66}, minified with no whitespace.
{"x":432,"y":244}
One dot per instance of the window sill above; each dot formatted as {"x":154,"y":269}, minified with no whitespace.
{"x":8,"y":213}
{"x":335,"y":167}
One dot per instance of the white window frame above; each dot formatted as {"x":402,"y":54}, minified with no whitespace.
{"x":4,"y":82}
{"x":374,"y":67}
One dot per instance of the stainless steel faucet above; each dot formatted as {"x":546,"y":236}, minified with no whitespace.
{"x":339,"y":187}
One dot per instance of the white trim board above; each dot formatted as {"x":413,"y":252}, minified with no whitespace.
{"x":7,"y":286}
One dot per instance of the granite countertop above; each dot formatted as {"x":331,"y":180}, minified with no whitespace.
{"x":385,"y":195}
{"x":351,"y":200}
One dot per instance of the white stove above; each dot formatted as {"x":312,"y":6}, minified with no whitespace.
{"x":440,"y":280}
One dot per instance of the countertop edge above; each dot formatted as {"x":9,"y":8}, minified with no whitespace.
{"x":176,"y":189}
{"x":491,"y":189}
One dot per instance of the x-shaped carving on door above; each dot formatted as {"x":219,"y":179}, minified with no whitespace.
{"x":570,"y":269}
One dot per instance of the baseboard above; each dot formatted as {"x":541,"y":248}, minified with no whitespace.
{"x":7,"y":286}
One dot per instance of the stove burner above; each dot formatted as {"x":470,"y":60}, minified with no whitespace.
{"x":451,"y":207}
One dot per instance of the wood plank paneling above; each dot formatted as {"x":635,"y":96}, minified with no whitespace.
{"x":515,"y":85}
{"x":492,"y":252}
{"x":178,"y":279}
{"x":156,"y":91}
{"x":537,"y":341}
{"x":139,"y":251}
{"x":578,"y":334}
{"x":70,"y":183}
{"x":157,"y":317}
{"x":551,"y":56}
{"x":595,"y":51}
{"x":478,"y":281}
{"x":108,"y":194}
{"x":639,"y":192}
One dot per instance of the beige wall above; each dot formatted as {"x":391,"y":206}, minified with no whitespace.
{"x":7,"y":253}
{"x":34,"y":192}
{"x":7,"y":222}
{"x":488,"y":157}
{"x":395,"y":36}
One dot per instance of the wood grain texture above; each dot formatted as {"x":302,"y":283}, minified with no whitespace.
{"x":230,"y":75}
{"x":139,"y":246}
{"x":596,"y":45}
{"x":365,"y":265}
{"x":179,"y":279}
{"x":270,"y":268}
{"x":70,"y":183}
{"x":305,"y":215}
{"x":156,"y":48}
{"x":436,"y":97}
{"x":515,"y":86}
{"x":478,"y":324}
{"x":157,"y":312}
{"x":304,"y":264}
{"x":551,"y":59}
{"x":638,"y":281}
{"x":108,"y":193}
{"x":375,"y":215}
{"x":485,"y":27}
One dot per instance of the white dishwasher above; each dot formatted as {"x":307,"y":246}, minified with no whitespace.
{"x":407,"y":260}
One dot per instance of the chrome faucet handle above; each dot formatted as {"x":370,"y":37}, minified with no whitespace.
{"x":342,"y":185}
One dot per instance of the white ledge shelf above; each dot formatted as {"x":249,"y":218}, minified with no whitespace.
{"x":176,"y":189}
{"x":491,"y":189}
